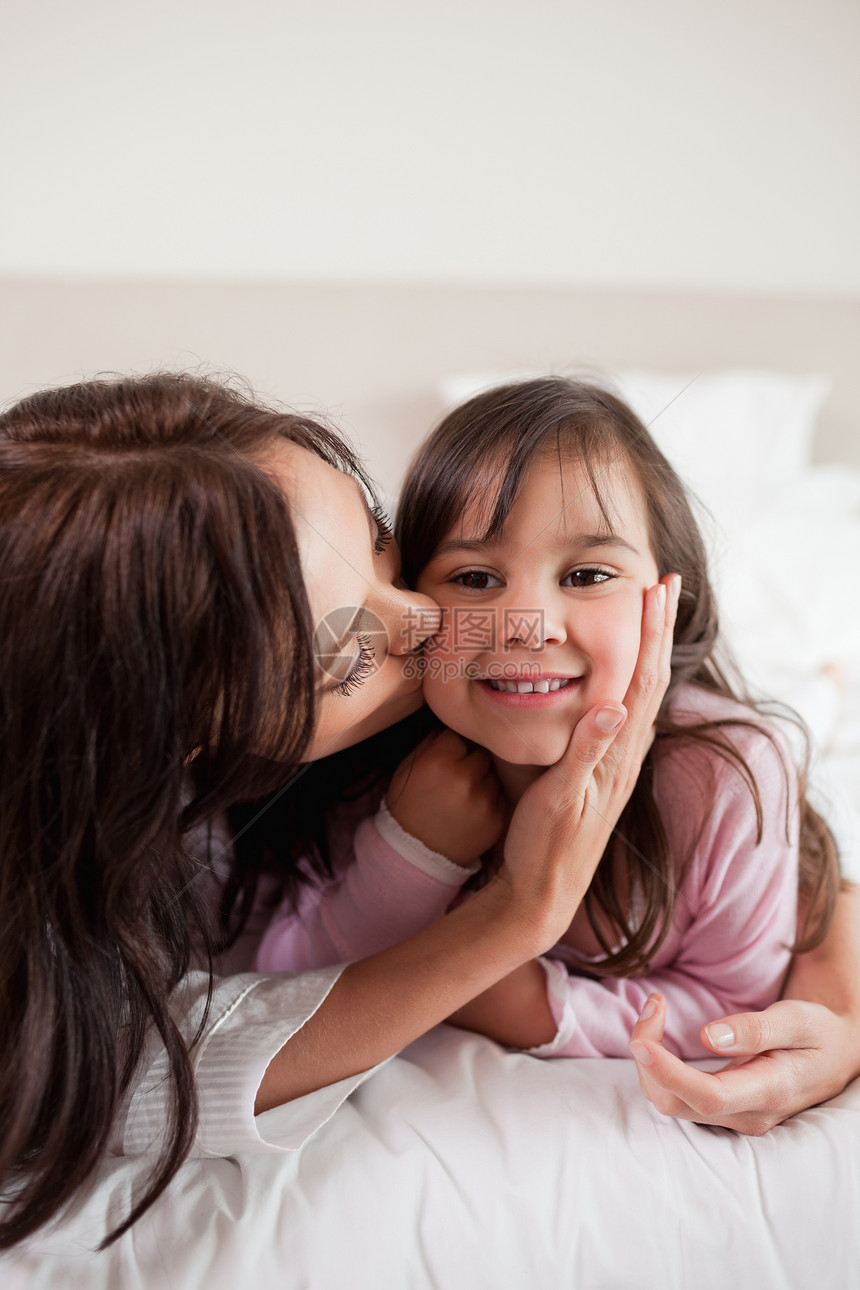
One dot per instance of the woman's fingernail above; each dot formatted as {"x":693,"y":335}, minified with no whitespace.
{"x":640,"y":1052}
{"x":676,"y":588}
{"x":608,"y":719}
{"x":648,"y":1010}
{"x":720,"y":1035}
{"x":661,"y":596}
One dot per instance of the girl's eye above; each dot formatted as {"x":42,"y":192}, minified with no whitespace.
{"x":587,"y":577}
{"x":476,"y":580}
{"x":383,"y":527}
{"x":365,"y":664}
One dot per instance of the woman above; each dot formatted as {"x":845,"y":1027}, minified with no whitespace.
{"x":167,"y":549}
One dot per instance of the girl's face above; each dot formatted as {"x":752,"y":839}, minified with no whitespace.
{"x":544,"y":622}
{"x":365,"y":621}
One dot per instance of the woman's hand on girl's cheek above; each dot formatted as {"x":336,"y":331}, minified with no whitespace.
{"x":618,"y":769}
{"x":790,"y":1056}
{"x":447,"y":795}
{"x":652,"y":674}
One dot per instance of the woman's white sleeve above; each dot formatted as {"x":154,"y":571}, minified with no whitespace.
{"x":249,"y":1020}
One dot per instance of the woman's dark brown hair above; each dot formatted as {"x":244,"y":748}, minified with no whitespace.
{"x":152,"y":609}
{"x":484,"y":449}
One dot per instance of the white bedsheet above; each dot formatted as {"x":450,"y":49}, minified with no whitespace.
{"x":460,"y":1166}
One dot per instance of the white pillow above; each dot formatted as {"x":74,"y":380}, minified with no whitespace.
{"x":786,"y":577}
{"x":735,"y":437}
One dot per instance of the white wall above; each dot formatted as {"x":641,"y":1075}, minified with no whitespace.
{"x":669,"y":143}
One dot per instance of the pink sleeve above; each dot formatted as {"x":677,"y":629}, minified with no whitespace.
{"x":734,"y":920}
{"x":387,"y":885}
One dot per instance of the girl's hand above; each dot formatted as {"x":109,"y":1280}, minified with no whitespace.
{"x":564,"y":820}
{"x":446,"y":794}
{"x":792,"y":1055}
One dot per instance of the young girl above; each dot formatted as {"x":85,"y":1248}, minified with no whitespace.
{"x":538,"y":515}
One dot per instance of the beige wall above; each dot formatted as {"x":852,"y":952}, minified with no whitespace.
{"x":665,"y":144}
{"x":372,"y":356}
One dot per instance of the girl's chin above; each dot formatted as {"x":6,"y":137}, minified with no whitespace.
{"x":539,"y":756}
{"x":539,"y":747}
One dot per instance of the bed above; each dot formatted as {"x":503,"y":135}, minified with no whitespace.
{"x":459,"y":1165}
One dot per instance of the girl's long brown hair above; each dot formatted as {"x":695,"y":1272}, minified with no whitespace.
{"x":152,"y":608}
{"x":495,"y":437}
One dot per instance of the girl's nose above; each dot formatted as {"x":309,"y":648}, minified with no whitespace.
{"x":532,"y":626}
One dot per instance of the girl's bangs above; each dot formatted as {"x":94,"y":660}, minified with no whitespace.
{"x":496,"y":482}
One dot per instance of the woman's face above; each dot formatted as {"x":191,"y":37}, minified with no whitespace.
{"x":366,"y":623}
{"x":544,"y":622}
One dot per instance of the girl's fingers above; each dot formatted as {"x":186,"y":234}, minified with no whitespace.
{"x":647,"y":1034}
{"x":675,"y":1088}
{"x":785,"y":1024}
{"x":665,"y":1079}
{"x":651,"y":1020}
{"x":750,"y":1095}
{"x":750,"y":1098}
{"x":669,"y":1083}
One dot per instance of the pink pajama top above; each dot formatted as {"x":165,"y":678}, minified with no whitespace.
{"x":734,"y":918}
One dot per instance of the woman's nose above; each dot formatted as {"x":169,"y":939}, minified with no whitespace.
{"x":412,"y":619}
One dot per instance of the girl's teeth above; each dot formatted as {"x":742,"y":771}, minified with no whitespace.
{"x":529,"y":687}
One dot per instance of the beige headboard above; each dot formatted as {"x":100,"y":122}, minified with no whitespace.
{"x":371,"y":355}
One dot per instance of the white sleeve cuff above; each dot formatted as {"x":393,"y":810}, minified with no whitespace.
{"x":411,"y":849}
{"x":250,"y":1018}
{"x":558,"y":992}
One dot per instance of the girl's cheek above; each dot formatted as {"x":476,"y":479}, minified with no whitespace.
{"x":617,"y":636}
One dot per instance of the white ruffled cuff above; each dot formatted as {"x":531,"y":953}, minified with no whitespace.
{"x":558,"y":992}
{"x":419,"y":855}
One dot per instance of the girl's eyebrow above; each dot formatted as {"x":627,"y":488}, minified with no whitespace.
{"x":465,"y":544}
{"x":587,"y":540}
{"x":604,"y":539}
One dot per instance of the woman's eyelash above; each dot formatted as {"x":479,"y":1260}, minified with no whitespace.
{"x":383,"y":525}
{"x":364,"y":665}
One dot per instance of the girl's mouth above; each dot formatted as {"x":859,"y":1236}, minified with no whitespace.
{"x":536,"y":693}
{"x":531,"y":687}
